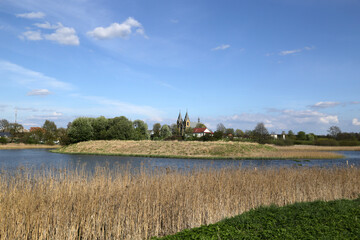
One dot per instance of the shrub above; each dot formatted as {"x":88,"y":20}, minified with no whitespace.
{"x":349,"y":143}
{"x":303,"y":142}
{"x":282,"y":142}
{"x":326,"y":142}
{"x":3,"y":140}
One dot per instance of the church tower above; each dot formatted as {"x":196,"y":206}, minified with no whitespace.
{"x":179,"y":124}
{"x":186,"y":121}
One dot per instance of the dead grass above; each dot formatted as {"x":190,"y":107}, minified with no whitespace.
{"x":26,"y":146}
{"x":119,"y":205}
{"x":195,"y":149}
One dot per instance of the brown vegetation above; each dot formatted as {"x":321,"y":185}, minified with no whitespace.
{"x":120,"y":205}
{"x":195,"y":149}
{"x":26,"y":146}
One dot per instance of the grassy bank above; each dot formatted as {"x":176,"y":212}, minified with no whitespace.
{"x":204,"y":150}
{"x":338,"y":219}
{"x":26,"y":146}
{"x":117,"y":204}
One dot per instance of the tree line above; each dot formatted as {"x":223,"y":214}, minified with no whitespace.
{"x":121,"y":128}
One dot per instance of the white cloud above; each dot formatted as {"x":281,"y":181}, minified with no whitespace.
{"x":288,"y":52}
{"x":118,"y":30}
{"x":325,"y":104}
{"x":356,"y":122}
{"x":39,"y":92}
{"x":31,"y":35}
{"x":47,"y":25}
{"x":11,"y":71}
{"x":329,"y":119}
{"x":64,"y":35}
{"x":31,"y":15}
{"x":221,"y":47}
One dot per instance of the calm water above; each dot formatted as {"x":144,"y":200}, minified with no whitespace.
{"x":42,"y":158}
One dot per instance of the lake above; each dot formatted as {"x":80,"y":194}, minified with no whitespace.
{"x":42,"y":158}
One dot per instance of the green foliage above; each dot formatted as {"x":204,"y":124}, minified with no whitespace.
{"x":291,"y":135}
{"x":4,"y":125}
{"x":338,"y":219}
{"x":120,"y":129}
{"x":218,"y":135}
{"x":334,"y":131}
{"x":303,"y":142}
{"x":50,"y":134}
{"x":165,"y":131}
{"x":301,"y":135}
{"x":156,"y":130}
{"x":261,"y":134}
{"x":3,"y":140}
{"x":80,"y":130}
{"x":349,"y":143}
{"x":140,"y":130}
{"x":100,"y":127}
{"x":239,"y":133}
{"x":200,"y":125}
{"x":326,"y":142}
{"x":282,"y":142}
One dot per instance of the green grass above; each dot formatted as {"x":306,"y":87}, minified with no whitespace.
{"x":338,"y":219}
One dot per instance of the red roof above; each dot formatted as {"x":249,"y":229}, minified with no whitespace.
{"x":199,"y":130}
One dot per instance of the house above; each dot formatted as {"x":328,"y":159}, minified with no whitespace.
{"x":278,"y":136}
{"x":200,"y":132}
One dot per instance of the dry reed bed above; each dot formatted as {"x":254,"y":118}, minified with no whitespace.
{"x":26,"y":146}
{"x":121,"y":205}
{"x":194,"y":149}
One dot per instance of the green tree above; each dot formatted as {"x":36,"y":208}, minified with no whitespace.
{"x":121,"y":129}
{"x":156,"y":130}
{"x":239,"y":133}
{"x":80,"y":130}
{"x":174,"y":129}
{"x":291,"y":135}
{"x":100,"y":127}
{"x":200,"y":125}
{"x":165,"y":131}
{"x":301,"y":135}
{"x":63,"y":136}
{"x":50,"y":134}
{"x":140,"y":130}
{"x":16,"y":130}
{"x":229,"y":131}
{"x":334,"y":131}
{"x":311,"y":137}
{"x":260,"y":133}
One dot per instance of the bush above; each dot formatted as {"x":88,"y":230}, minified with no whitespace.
{"x":349,"y":143}
{"x":3,"y":140}
{"x":303,"y":142}
{"x":326,"y":142}
{"x":282,"y":142}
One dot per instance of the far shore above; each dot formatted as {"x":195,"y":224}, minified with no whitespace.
{"x":27,"y":146}
{"x":202,"y":150}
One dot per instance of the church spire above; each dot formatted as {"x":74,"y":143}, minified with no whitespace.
{"x":179,"y":118}
{"x":186,"y":116}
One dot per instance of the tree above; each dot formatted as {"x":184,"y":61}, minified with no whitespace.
{"x":229,"y":131}
{"x":200,"y":125}
{"x":260,"y":133}
{"x":80,"y":130}
{"x":239,"y":133}
{"x":140,"y":130}
{"x":4,"y":125}
{"x":221,"y":128}
{"x":100,"y":127}
{"x":15,"y":130}
{"x":301,"y":135}
{"x":156,"y":130}
{"x":334,"y":131}
{"x":121,"y":129}
{"x":50,"y":132}
{"x":63,"y":136}
{"x":165,"y":131}
{"x":291,"y":135}
{"x":174,"y":129}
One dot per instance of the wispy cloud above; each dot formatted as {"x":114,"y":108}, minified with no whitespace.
{"x":24,"y":76}
{"x":47,"y":25}
{"x":118,"y":30}
{"x":356,"y":122}
{"x":31,"y":35}
{"x":31,"y":15}
{"x":39,"y":92}
{"x":289,"y":52}
{"x":324,"y":104}
{"x":221,"y":47}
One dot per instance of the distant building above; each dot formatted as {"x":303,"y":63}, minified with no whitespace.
{"x":200,"y":132}
{"x":182,"y":125}
{"x":278,"y":136}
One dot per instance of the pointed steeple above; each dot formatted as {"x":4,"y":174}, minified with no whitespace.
{"x":179,"y":118}
{"x":186,"y":117}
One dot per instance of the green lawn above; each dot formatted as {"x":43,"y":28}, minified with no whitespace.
{"x":315,"y":220}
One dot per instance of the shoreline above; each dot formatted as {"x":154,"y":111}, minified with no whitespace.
{"x":14,"y":146}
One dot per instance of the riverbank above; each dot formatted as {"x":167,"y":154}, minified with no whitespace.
{"x":27,"y":146}
{"x":117,"y":204}
{"x":202,"y":150}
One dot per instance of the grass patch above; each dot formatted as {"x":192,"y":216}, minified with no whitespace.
{"x":338,"y":219}
{"x":196,"y":149}
{"x":27,"y":146}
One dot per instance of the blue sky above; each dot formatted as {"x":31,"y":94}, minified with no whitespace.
{"x":294,"y":65}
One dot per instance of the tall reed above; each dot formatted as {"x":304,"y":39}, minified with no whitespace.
{"x":119,"y":204}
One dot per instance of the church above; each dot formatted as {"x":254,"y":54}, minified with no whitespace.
{"x":182,"y":125}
